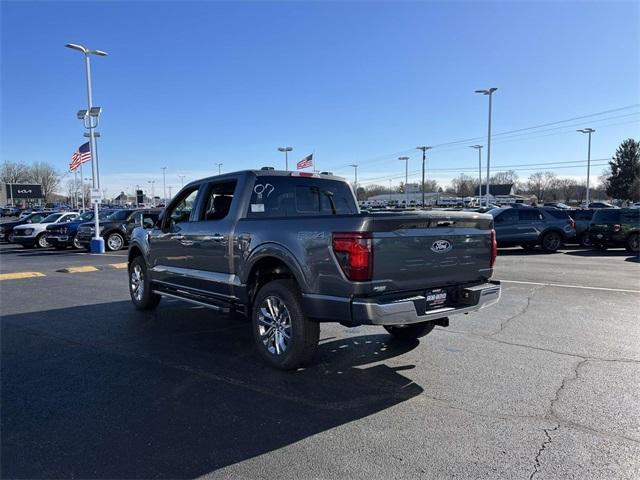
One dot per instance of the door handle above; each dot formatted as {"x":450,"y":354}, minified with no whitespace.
{"x":217,"y":237}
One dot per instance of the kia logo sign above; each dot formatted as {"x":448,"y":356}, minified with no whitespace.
{"x":441,"y":246}
{"x":24,"y":191}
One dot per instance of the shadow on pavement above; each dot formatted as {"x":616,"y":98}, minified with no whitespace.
{"x":505,"y":252}
{"x":600,"y":253}
{"x":106,"y":391}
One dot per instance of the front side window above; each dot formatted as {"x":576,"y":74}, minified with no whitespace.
{"x":507,"y":217}
{"x":52,"y":218}
{"x":119,"y":216}
{"x":181,"y":212}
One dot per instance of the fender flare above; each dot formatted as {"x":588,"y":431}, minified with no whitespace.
{"x":279,"y":252}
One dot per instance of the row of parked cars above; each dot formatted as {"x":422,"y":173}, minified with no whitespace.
{"x":73,"y":229}
{"x":550,"y":228}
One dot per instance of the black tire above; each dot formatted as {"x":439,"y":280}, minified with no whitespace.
{"x":145,"y":299}
{"x":632,"y":245}
{"x":283,"y":319}
{"x":77,"y":245}
{"x":551,"y":242}
{"x":113,"y":242}
{"x":585,"y":240}
{"x":410,"y":332}
{"x":10,"y":237}
{"x":41,"y":241}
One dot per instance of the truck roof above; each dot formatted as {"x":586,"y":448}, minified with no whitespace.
{"x":272,"y":173}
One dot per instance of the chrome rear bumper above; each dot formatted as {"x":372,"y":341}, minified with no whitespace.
{"x":406,"y":311}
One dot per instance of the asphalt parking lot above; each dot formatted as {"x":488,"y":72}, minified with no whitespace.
{"x":543,"y":385}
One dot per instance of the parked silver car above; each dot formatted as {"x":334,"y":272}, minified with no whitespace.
{"x":34,"y":234}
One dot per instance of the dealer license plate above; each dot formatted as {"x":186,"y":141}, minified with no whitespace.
{"x":436,"y":298}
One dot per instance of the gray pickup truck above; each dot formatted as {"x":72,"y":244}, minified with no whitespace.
{"x":290,"y":250}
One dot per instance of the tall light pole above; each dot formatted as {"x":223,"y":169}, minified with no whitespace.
{"x":97,"y":244}
{"x":153,"y":194}
{"x":490,"y":93}
{"x":355,"y":167}
{"x":479,"y":148}
{"x":588,"y":131}
{"x":170,"y":196}
{"x":164,"y":186}
{"x":406,"y":180}
{"x":389,"y":190}
{"x":286,"y":151}
{"x":219,"y":169}
{"x":181,"y":180}
{"x":424,"y":161}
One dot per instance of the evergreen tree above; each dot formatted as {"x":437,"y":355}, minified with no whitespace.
{"x":625,"y":171}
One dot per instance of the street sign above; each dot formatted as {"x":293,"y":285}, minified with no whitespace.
{"x":96,"y":195}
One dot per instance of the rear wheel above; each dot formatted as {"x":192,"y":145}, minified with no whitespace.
{"x":11,"y":237}
{"x":77,"y":244}
{"x":114,"y":242}
{"x":41,"y":241}
{"x":410,"y":332}
{"x":283,"y":335}
{"x":551,"y":241}
{"x":633,"y":243}
{"x":140,"y":287}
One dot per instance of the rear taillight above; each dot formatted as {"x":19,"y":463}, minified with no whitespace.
{"x":494,"y":249}
{"x":354,"y":252}
{"x":617,"y":228}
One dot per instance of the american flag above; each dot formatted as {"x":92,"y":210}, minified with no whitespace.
{"x":306,"y":162}
{"x":80,"y":156}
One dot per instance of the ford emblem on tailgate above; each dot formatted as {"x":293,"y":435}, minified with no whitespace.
{"x":441,"y":246}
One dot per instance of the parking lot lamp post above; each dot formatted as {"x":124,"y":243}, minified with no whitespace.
{"x":286,"y":151}
{"x":479,"y":148}
{"x":389,"y":190}
{"x":181,"y":180}
{"x":170,"y":197}
{"x":424,"y":161}
{"x":588,"y":131}
{"x":164,"y":186}
{"x":488,"y":92}
{"x":219,"y":169}
{"x":153,"y":194}
{"x":406,"y":179}
{"x":355,"y":167}
{"x":97,"y":243}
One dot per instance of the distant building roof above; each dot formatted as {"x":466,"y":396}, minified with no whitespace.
{"x":501,"y":189}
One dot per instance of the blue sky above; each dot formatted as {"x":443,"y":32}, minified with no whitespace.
{"x":190,"y":84}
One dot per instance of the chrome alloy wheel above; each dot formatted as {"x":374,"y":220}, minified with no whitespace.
{"x":274,"y":325}
{"x":114,"y":242}
{"x":137,"y":282}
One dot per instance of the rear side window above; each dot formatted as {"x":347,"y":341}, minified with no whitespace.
{"x":526,"y":215}
{"x":219,"y":198}
{"x":606,"y":215}
{"x":630,"y":216}
{"x":561,"y":214}
{"x":299,"y":196}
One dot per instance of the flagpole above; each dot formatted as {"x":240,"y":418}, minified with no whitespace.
{"x":81,"y":184}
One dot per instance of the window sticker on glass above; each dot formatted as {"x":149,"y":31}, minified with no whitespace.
{"x":257,"y":207}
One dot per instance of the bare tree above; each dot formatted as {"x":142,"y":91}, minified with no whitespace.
{"x":14,"y":172}
{"x":539,"y":183}
{"x":502,"y":178}
{"x":45,"y":175}
{"x":464,"y":185}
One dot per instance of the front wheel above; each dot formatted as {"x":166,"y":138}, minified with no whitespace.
{"x":551,"y":242}
{"x":585,"y":240}
{"x":114,"y":242}
{"x":633,"y":243}
{"x":140,"y":287}
{"x":283,"y":335}
{"x":11,"y":238}
{"x":410,"y":332}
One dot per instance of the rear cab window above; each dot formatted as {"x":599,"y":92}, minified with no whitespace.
{"x":281,"y":196}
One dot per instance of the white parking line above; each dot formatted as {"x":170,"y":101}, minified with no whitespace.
{"x":583,"y":287}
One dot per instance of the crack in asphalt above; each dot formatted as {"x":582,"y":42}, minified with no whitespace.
{"x":506,"y":322}
{"x":536,"y":466}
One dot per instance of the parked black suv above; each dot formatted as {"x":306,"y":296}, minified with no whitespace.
{"x":529,"y":226}
{"x":116,"y":228}
{"x":616,"y":227}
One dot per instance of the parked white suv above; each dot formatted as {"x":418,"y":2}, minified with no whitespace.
{"x":33,"y":234}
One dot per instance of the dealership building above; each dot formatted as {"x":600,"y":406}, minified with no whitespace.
{"x":20,"y":194}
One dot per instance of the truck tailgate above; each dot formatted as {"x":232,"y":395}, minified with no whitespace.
{"x":431,"y":249}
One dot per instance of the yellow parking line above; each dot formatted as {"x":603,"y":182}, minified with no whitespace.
{"x":118,"y":265}
{"x":86,"y":268}
{"x":18,"y":275}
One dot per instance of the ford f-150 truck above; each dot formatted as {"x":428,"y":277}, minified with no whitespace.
{"x":290,"y":250}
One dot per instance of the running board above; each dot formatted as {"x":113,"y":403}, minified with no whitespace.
{"x":195,"y":299}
